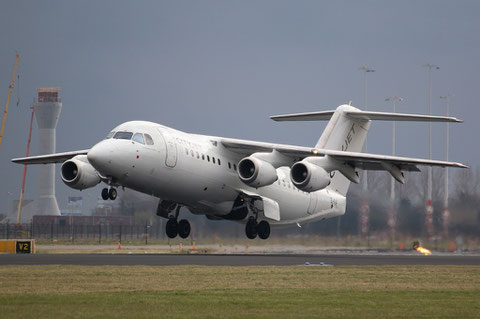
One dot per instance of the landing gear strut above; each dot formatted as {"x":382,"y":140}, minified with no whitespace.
{"x":109,"y":193}
{"x":262,"y":229}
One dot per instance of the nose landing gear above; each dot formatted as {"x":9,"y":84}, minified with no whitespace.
{"x":109,"y":193}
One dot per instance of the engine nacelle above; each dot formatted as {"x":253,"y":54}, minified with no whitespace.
{"x":309,"y":177}
{"x":256,"y":173}
{"x":77,"y":173}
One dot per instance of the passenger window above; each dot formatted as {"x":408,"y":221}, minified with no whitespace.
{"x":208,"y":158}
{"x":186,"y":151}
{"x":229,"y":165}
{"x":109,"y":135}
{"x":203,"y":157}
{"x":198,"y":156}
{"x":213,"y":160}
{"x":234,"y":167}
{"x":149,"y":139}
{"x":219,"y":162}
{"x":191,"y":153}
{"x":123,"y":135}
{"x":138,"y":137}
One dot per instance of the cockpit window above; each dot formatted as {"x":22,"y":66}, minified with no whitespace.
{"x":123,"y":135}
{"x":109,"y":135}
{"x":148,"y":139}
{"x":138,"y":137}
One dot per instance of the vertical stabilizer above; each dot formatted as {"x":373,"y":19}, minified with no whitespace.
{"x":343,"y":133}
{"x":346,"y":131}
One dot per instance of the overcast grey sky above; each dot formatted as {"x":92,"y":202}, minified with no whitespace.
{"x":223,"y":67}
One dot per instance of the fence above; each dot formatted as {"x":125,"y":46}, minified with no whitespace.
{"x":74,"y":232}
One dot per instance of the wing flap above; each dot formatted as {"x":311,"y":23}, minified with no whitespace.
{"x":49,"y":159}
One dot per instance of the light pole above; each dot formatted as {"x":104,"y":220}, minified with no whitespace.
{"x":392,"y":211}
{"x":429,"y":210}
{"x":394,"y":100}
{"x":365,"y":208}
{"x":446,"y":212}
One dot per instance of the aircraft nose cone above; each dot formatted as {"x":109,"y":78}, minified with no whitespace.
{"x":99,"y":156}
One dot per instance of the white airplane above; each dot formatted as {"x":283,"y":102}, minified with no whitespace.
{"x":256,"y":183}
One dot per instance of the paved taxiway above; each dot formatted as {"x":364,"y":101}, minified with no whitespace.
{"x":237,"y":260}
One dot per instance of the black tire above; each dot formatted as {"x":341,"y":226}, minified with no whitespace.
{"x":112,"y":193}
{"x":251,"y":229}
{"x":172,"y":228}
{"x":263,"y":229}
{"x":184,"y":228}
{"x":105,"y":195}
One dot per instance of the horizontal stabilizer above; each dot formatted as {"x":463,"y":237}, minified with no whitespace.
{"x":309,"y":116}
{"x":364,"y":115}
{"x":386,"y":116}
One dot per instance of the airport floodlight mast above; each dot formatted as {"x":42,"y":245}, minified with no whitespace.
{"x":392,"y":212}
{"x":394,"y":100}
{"x":365,"y":208}
{"x":446,"y":212}
{"x":429,"y":210}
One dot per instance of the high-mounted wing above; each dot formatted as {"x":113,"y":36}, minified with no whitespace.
{"x":50,"y":158}
{"x":365,"y":161}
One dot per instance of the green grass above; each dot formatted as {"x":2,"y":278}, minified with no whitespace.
{"x":239,"y":292}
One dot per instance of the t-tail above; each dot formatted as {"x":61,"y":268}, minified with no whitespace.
{"x":346,"y":131}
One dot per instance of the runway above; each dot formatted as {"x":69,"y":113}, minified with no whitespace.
{"x":237,"y":259}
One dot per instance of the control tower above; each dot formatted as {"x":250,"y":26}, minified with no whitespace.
{"x":47,"y":111}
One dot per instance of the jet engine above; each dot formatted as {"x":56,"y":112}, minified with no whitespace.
{"x":78,"y":173}
{"x":256,"y":173}
{"x":309,"y":177}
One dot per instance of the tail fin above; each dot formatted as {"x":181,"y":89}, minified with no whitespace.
{"x":343,"y":133}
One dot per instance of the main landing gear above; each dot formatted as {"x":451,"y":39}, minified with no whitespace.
{"x":181,"y":228}
{"x":262,"y":229}
{"x":109,"y":193}
{"x":171,"y":210}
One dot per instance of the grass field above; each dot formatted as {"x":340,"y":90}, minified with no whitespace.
{"x":239,"y":292}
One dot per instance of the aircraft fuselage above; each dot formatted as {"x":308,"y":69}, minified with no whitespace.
{"x":197,"y":172}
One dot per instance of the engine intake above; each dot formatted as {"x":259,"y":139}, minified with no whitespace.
{"x":77,"y":173}
{"x":309,"y":177}
{"x":256,"y":173}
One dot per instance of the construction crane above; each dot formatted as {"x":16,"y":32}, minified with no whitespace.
{"x":22,"y":191}
{"x":10,"y":88}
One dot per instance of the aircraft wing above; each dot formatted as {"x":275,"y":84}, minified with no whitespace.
{"x":49,"y":158}
{"x":365,"y":161}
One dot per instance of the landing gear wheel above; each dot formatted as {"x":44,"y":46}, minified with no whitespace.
{"x":183,"y":228}
{"x":251,"y":229}
{"x":172,"y":228}
{"x":112,"y":193}
{"x":105,"y":194}
{"x":263,"y":229}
